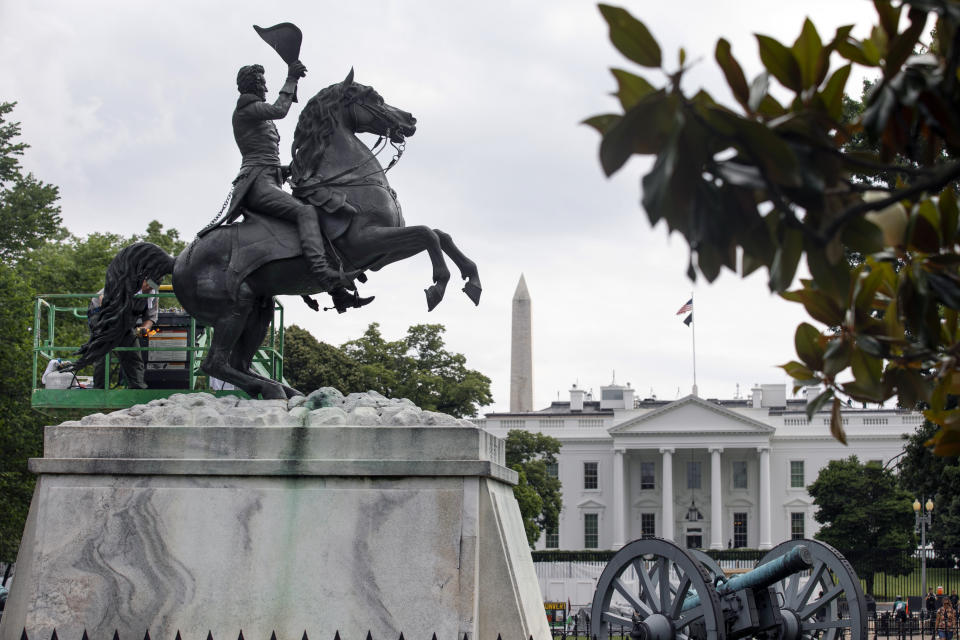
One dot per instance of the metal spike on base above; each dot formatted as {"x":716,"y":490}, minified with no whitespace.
{"x":209,"y":634}
{"x":178,"y":635}
{"x":116,"y":634}
{"x":146,"y":635}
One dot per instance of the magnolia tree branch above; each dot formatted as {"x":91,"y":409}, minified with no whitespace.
{"x":935,"y":182}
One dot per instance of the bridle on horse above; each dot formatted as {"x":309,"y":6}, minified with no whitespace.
{"x":399,"y":147}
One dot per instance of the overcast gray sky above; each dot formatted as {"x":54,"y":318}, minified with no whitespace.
{"x":127,"y":107}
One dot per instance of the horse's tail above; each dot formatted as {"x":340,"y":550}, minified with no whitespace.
{"x":125,"y":275}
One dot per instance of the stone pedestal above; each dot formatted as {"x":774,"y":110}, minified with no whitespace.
{"x":262,"y":529}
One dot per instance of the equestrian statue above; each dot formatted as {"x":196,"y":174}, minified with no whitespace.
{"x":342,"y":219}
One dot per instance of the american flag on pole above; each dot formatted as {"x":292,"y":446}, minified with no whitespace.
{"x":688,"y":309}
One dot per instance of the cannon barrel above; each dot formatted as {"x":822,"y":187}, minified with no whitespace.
{"x":794,"y":561}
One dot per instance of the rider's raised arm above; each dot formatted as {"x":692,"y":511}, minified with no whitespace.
{"x":259,"y":110}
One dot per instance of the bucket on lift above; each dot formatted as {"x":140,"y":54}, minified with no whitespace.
{"x":53,"y":378}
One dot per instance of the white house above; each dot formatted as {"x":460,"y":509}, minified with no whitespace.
{"x":705,"y":473}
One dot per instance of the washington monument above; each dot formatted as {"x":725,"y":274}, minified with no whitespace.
{"x":521,"y":351}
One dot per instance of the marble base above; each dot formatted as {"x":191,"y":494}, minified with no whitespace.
{"x":274,"y":530}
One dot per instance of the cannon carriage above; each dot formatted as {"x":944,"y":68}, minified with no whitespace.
{"x":800,"y":590}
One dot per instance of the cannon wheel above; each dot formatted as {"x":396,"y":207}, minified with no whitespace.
{"x":714,"y":570}
{"x":811,"y":609}
{"x":652,"y":577}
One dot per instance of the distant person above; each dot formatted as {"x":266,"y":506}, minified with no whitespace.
{"x":946,"y":619}
{"x":930,"y":603}
{"x":954,"y":599}
{"x":900,"y":615}
{"x":146,"y":311}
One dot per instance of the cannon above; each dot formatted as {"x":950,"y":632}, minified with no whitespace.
{"x":652,"y":589}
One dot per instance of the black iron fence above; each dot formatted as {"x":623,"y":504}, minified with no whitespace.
{"x":882,"y":627}
{"x":273,"y":636}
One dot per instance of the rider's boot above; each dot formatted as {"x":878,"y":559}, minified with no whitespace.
{"x":343,"y":300}
{"x":311,"y":241}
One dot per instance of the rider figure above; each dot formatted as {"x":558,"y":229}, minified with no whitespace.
{"x":259,"y":183}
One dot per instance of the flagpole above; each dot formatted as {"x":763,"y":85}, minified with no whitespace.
{"x":693,"y":336}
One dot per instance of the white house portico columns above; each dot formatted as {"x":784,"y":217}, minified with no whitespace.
{"x":716,"y":510}
{"x":619,"y":504}
{"x":765,"y":542}
{"x":666,"y":529}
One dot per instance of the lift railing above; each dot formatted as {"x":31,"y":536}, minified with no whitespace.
{"x":51,"y":308}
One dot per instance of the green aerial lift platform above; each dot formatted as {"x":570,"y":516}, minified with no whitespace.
{"x":173,"y":358}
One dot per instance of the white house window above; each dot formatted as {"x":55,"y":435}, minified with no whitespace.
{"x":553,"y":539}
{"x":590,"y":531}
{"x":611,"y":394}
{"x":590,"y":476}
{"x":648,"y":478}
{"x":648,"y":525}
{"x":693,"y":475}
{"x":553,"y":470}
{"x":796,"y":474}
{"x":739,"y":529}
{"x":796,"y":526}
{"x":739,"y":474}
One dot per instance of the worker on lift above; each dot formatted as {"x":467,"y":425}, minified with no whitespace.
{"x":131,"y":362}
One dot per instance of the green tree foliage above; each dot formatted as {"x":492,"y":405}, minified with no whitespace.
{"x":309,"y":364}
{"x":37,"y":255}
{"x":865,"y":513}
{"x":924,"y":475}
{"x":417,"y":367}
{"x":945,"y":532}
{"x":538,"y":492}
{"x":20,"y":428}
{"x":28,"y":207}
{"x":764,"y":184}
{"x":28,"y":215}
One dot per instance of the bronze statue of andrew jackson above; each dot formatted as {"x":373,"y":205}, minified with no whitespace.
{"x":227,"y":277}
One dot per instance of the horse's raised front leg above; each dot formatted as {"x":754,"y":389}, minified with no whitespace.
{"x":227,"y":330}
{"x":385,"y":245}
{"x":468,"y":268}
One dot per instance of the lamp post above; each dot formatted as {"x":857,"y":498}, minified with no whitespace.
{"x":923,"y":516}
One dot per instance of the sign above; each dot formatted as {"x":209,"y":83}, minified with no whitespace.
{"x":556,"y":612}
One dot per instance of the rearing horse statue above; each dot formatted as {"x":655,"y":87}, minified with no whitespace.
{"x":228,"y":277}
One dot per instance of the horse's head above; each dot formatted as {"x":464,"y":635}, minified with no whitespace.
{"x":370,"y":114}
{"x":349,"y":107}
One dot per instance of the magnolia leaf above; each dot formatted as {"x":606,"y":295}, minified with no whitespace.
{"x":806,"y":51}
{"x":947,"y":203}
{"x":631,"y":37}
{"x":781,"y":64}
{"x":817,"y":403}
{"x":836,"y":422}
{"x":833,"y":92}
{"x":734,"y":74}
{"x":640,"y":130}
{"x":800,"y":373}
{"x":808,"y":345}
{"x":837,"y":357}
{"x":785,"y":261}
{"x":603,"y":122}
{"x":631,"y":88}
